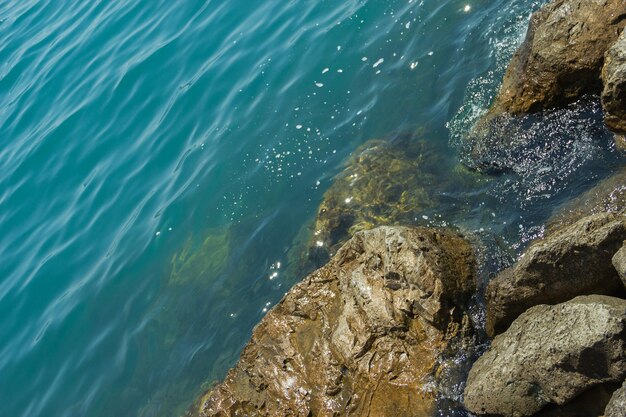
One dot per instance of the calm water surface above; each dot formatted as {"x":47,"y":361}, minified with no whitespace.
{"x":159,"y":160}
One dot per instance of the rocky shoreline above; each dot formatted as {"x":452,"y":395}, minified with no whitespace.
{"x":385,"y":326}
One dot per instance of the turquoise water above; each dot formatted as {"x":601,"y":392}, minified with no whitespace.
{"x":159,"y":160}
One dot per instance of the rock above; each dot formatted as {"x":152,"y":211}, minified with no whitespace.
{"x":572,"y":261}
{"x":609,"y":196}
{"x":550,"y":354}
{"x":530,"y":144}
{"x":362,"y":335}
{"x":562,"y":55}
{"x":382,"y":184}
{"x":619,"y":262}
{"x":620,"y":142}
{"x":385,"y":182}
{"x":614,"y":92}
{"x":617,"y":405}
{"x":590,"y":403}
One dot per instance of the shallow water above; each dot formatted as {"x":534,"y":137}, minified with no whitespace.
{"x":160,"y":159}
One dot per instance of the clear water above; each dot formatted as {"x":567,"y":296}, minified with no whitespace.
{"x":159,"y":159}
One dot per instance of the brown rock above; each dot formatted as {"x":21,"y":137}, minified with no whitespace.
{"x":550,"y":354}
{"x":572,"y":261}
{"x":561,"y":58}
{"x":360,"y":336}
{"x":614,"y":92}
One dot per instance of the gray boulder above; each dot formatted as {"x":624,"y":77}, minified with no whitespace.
{"x":550,"y":354}
{"x":617,"y":405}
{"x":614,"y":92}
{"x":619,"y":262}
{"x":572,"y":261}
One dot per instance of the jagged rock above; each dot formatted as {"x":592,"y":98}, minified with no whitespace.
{"x":550,"y":354}
{"x":572,"y":261}
{"x":617,"y":406}
{"x":619,"y":262}
{"x":360,"y":336}
{"x":614,"y":92}
{"x":561,"y":58}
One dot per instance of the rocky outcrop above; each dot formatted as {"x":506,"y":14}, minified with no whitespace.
{"x":555,"y":73}
{"x":363,"y":335}
{"x":572,"y":261}
{"x":614,"y":92}
{"x":550,"y":354}
{"x":617,"y":404}
{"x":561,"y":58}
{"x":619,"y":262}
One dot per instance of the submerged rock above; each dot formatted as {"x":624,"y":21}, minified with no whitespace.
{"x":608,"y":196}
{"x":363,"y":335}
{"x":555,"y":141}
{"x":557,"y":67}
{"x":550,"y":354}
{"x":384,"y":183}
{"x":617,"y":404}
{"x":614,"y":92}
{"x":562,"y":55}
{"x":572,"y":261}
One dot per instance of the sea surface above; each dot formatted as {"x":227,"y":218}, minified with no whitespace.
{"x":160,"y":162}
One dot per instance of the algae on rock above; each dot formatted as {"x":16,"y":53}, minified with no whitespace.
{"x":385,"y":182}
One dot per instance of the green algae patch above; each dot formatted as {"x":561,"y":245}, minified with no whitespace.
{"x":204,"y":260}
{"x":383,"y":183}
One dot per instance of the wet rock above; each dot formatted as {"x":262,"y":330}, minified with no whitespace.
{"x":363,"y":335}
{"x":562,"y":55}
{"x":528,"y":145}
{"x":620,"y":142}
{"x":617,"y":404}
{"x":614,"y":92}
{"x":571,"y":261}
{"x":608,"y":196}
{"x":619,"y":262}
{"x":550,"y":354}
{"x":384,"y":183}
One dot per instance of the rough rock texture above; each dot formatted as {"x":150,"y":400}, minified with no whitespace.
{"x":550,"y":354}
{"x":614,"y":92}
{"x":361,"y":336}
{"x":619,"y":262}
{"x":562,"y":56}
{"x":575,"y":260}
{"x":617,"y":405}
